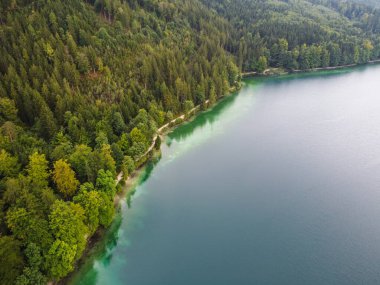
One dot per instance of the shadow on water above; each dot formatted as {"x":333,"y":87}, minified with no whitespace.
{"x":206,"y":117}
{"x":103,"y":248}
{"x":209,"y":116}
{"x":102,"y":251}
{"x":142,"y":177}
{"x":279,"y":79}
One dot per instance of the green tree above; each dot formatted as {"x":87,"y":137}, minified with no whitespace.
{"x":67,"y":225}
{"x":90,"y":202}
{"x":124,"y":143}
{"x":101,"y":139}
{"x":60,"y":259}
{"x":106,"y":210}
{"x":29,"y":228}
{"x":117,"y":154}
{"x":139,"y":143}
{"x":81,"y":160}
{"x":18,"y":222}
{"x":103,"y":159}
{"x":233,"y":73}
{"x":83,"y":63}
{"x":325,"y":58}
{"x":31,"y":276}
{"x":262,"y":64}
{"x":8,"y":110}
{"x":105,"y":182}
{"x":117,"y":123}
{"x":188,"y":106}
{"x":11,"y":260}
{"x":9,"y":166}
{"x":212,"y":92}
{"x":63,"y":147}
{"x":33,"y":255}
{"x":47,"y":124}
{"x":64,"y":178}
{"x":38,"y":170}
{"x":128,"y":166}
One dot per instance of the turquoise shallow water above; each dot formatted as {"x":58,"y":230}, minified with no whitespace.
{"x":278,"y":184}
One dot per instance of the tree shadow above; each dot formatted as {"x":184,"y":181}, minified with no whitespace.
{"x":207,"y":117}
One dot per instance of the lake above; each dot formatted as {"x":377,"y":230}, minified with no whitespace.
{"x":278,"y":184}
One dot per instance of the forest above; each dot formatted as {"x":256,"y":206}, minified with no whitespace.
{"x":84,"y":85}
{"x":299,"y":35}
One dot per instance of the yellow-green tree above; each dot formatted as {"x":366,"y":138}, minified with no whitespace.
{"x":64,"y":178}
{"x":38,"y":170}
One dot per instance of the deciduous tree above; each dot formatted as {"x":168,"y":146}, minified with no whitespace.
{"x":64,"y":178}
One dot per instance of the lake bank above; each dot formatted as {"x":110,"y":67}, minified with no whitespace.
{"x":281,"y":208}
{"x":281,"y":71}
{"x":127,"y":185}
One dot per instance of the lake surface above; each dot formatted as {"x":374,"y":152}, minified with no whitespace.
{"x":278,"y":184}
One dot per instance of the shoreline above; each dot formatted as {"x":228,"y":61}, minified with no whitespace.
{"x":276,"y":71}
{"x":128,"y":184}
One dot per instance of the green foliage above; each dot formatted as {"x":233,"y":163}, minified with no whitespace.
{"x":128,"y":166}
{"x":29,"y":228}
{"x":188,"y":105}
{"x":157,"y":144}
{"x":262,"y":64}
{"x":31,"y":276}
{"x":300,"y":34}
{"x":33,"y":255}
{"x":60,"y":259}
{"x":139,"y":143}
{"x":17,"y":222}
{"x":106,"y":210}
{"x":81,"y":161}
{"x":124,"y":143}
{"x":9,"y":166}
{"x":62,"y":147}
{"x":38,"y":170}
{"x":105,"y":182}
{"x":104,"y":160}
{"x":67,"y":224}
{"x":84,"y":85}
{"x":118,"y":155}
{"x":90,"y":202}
{"x":11,"y":260}
{"x":64,"y":178}
{"x":8,"y":110}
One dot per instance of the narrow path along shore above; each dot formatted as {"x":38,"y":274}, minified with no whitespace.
{"x":266,"y":72}
{"x":159,"y":133}
{"x":131,"y":179}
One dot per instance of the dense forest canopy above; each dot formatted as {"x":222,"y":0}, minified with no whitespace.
{"x":300,"y":34}
{"x":84,"y":85}
{"x":374,"y":3}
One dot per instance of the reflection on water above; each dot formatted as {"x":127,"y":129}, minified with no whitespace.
{"x":102,"y":253}
{"x":210,"y":116}
{"x":143,"y":176}
{"x":316,"y":74}
{"x":261,"y":189}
